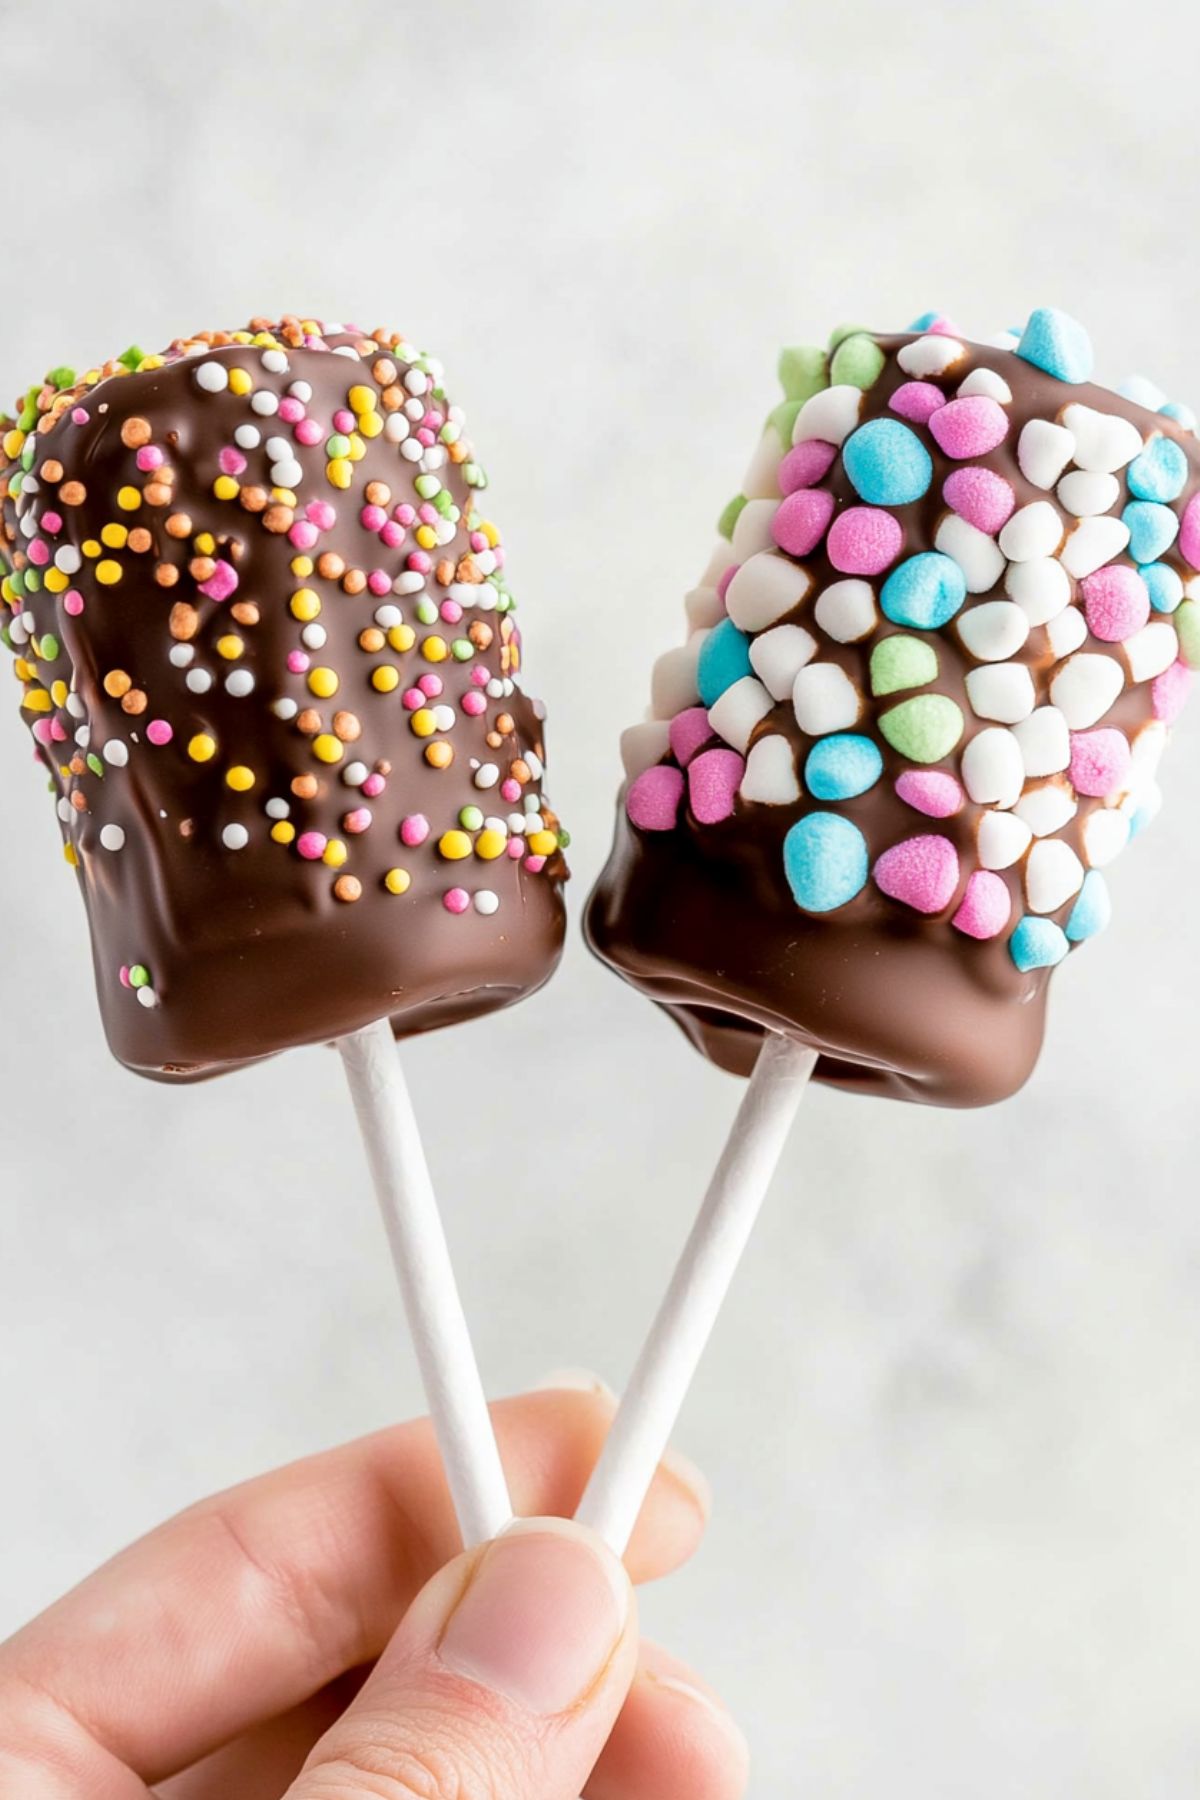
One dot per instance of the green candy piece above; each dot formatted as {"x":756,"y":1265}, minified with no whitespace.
{"x":924,"y":729}
{"x":857,"y":362}
{"x":802,"y":371}
{"x":730,"y":516}
{"x":139,"y":976}
{"x":564,"y":840}
{"x":48,"y":648}
{"x":427,"y":486}
{"x":783,"y":417}
{"x":337,"y":445}
{"x":133,"y":357}
{"x":61,"y":378}
{"x":94,"y":763}
{"x":902,"y":662}
{"x":840,"y":333}
{"x":427,"y":612}
{"x":1187,"y":623}
{"x":462,"y":649}
{"x":470,"y":818}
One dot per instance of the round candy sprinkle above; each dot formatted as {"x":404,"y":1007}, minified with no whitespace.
{"x":653,"y":800}
{"x":981,"y":497}
{"x":1152,"y":529}
{"x":397,"y":881}
{"x":1092,"y":912}
{"x":688,"y":733}
{"x":924,"y":729}
{"x":925,"y":592}
{"x":1037,"y":944}
{"x":805,"y":465}
{"x":985,"y":908}
{"x":864,"y":540}
{"x":921,"y":872}
{"x":930,"y":791}
{"x":235,"y":837}
{"x":917,"y":401}
{"x":456,"y":900}
{"x":825,"y":861}
{"x":842,"y":766}
{"x":802,"y":520}
{"x":112,"y":837}
{"x":969,"y":428}
{"x":1159,"y":472}
{"x":1100,"y":762}
{"x":887,"y":463}
{"x":900,"y":662}
{"x":724,"y":659}
{"x":713,"y":781}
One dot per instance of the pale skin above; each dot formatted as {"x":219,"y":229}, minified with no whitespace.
{"x":314,"y":1635}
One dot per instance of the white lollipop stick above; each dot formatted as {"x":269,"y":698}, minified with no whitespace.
{"x":453,"y":1389}
{"x":672,"y":1352}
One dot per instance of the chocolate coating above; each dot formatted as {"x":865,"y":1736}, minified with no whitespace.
{"x":259,"y":762}
{"x":898,"y":1002}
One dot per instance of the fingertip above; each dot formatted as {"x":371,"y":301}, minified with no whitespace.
{"x":674,"y":1736}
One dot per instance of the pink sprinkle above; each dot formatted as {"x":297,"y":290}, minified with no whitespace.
{"x":42,"y":732}
{"x":922,"y":872}
{"x":969,"y":427}
{"x":473,"y":703}
{"x":79,"y":415}
{"x":374,"y":785}
{"x":311,"y":845}
{"x":713,"y":781}
{"x":863,"y":540}
{"x":802,"y":520}
{"x":322,"y":513}
{"x":344,"y":421}
{"x":427,"y":513}
{"x":1169,"y":691}
{"x":942,"y":327}
{"x":291,"y":410}
{"x":230,"y":461}
{"x":981,"y":497}
{"x":303,"y":535}
{"x":456,"y":900}
{"x":407,"y":515}
{"x":425,"y":436}
{"x":358,"y":819}
{"x":930,"y":791}
{"x":51,"y":523}
{"x":917,"y":401}
{"x":160,"y":732}
{"x":689,"y":731}
{"x":1100,"y":762}
{"x":726,"y":577}
{"x":73,"y":602}
{"x":379,"y":582}
{"x":654,"y":798}
{"x":510,"y":789}
{"x":39,"y":552}
{"x":1116,"y":602}
{"x":373,"y":517}
{"x":221,"y":583}
{"x":308,"y":432}
{"x":430,"y":686}
{"x":1189,"y":532}
{"x":451,"y":611}
{"x":418,"y":562}
{"x":297,"y":662}
{"x":516,"y":849}
{"x":412,"y":699}
{"x":414,"y":829}
{"x":986,"y":906}
{"x":805,"y":464}
{"x":479,"y":677}
{"x":392,"y":535}
{"x":58,"y":731}
{"x":151,"y":457}
{"x":124,"y":974}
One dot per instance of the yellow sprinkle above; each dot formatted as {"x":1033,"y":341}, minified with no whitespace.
{"x":491,"y":533}
{"x":302,"y":566}
{"x":542,"y":843}
{"x":305,"y":604}
{"x":37,"y":700}
{"x":25,"y":671}
{"x":13,"y":442}
{"x":108,"y":573}
{"x":357,"y":448}
{"x":385,"y":678}
{"x":230,"y":646}
{"x":226,"y":488}
{"x":56,"y":581}
{"x":490,"y":844}
{"x":239,"y":778}
{"x":114,"y":537}
{"x":91,"y":547}
{"x":283,"y":831}
{"x":423,"y":723}
{"x":129,"y":499}
{"x":362,"y":399}
{"x":70,"y":856}
{"x":59,"y":692}
{"x":338,"y":472}
{"x":401,"y":637}
{"x":327,"y":748}
{"x":202,"y":748}
{"x":205,"y":543}
{"x":454,"y":845}
{"x":151,"y":362}
{"x":323,"y":683}
{"x":239,"y":381}
{"x":283,"y":497}
{"x":426,"y":536}
{"x":370,"y":424}
{"x":334,"y":853}
{"x":397,"y":881}
{"x":435,"y":649}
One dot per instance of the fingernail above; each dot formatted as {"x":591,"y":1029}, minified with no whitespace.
{"x":541,"y":1618}
{"x":690,"y":1476}
{"x":575,"y":1381}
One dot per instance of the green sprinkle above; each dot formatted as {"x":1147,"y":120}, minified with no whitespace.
{"x":139,"y":976}
{"x":783,"y":417}
{"x":564,"y":840}
{"x":470,"y":818}
{"x":840,"y":333}
{"x":27,"y":417}
{"x":61,"y":378}
{"x":902,"y":662}
{"x":1187,"y":623}
{"x":427,"y":486}
{"x":337,"y":445}
{"x":132,"y":358}
{"x":427,"y":612}
{"x":443,"y":503}
{"x":94,"y":763}
{"x":857,"y":362}
{"x":48,"y":648}
{"x":462,"y":649}
{"x":924,"y":729}
{"x":731,"y":515}
{"x":802,"y":371}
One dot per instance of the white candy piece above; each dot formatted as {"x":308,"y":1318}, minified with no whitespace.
{"x":642,"y":746}
{"x":1147,"y":801}
{"x":764,"y":589}
{"x":1041,"y":588}
{"x":825,"y":699}
{"x":1043,"y":452}
{"x":1047,"y":809}
{"x":1151,"y":651}
{"x":1084,"y":495}
{"x":1105,"y":835}
{"x":703,"y":608}
{"x":1104,"y":442}
{"x":974,"y":552}
{"x":994,"y":631}
{"x":235,"y":837}
{"x":1045,"y":741}
{"x":770,"y":776}
{"x":830,"y":415}
{"x":673,"y":678}
{"x":1067,"y":632}
{"x":112,"y":837}
{"x":1053,"y":875}
{"x":1002,"y":840}
{"x":1147,"y":751}
{"x":993,"y":769}
{"x":778,"y":656}
{"x":116,"y":753}
{"x":752,"y":532}
{"x":1032,"y":531}
{"x":1002,"y":691}
{"x":987,"y":382}
{"x":845,"y":610}
{"x":1085,"y":688}
{"x":931,"y":355}
{"x":761,"y":480}
{"x":1091,"y":543}
{"x":738,"y":710}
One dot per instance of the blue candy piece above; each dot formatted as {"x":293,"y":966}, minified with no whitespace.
{"x":1145,"y":815}
{"x":1165,"y":585}
{"x":887,"y":463}
{"x":825,"y":861}
{"x":1160,"y":472}
{"x":1182,"y":415}
{"x":1152,"y":529}
{"x":724,"y":659}
{"x":925,"y":591}
{"x":1054,"y":341}
{"x":1092,"y":912}
{"x":925,"y":321}
{"x":1037,"y":944}
{"x":842,"y":766}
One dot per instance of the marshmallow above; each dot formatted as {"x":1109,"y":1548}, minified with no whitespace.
{"x":825,"y":699}
{"x":1085,"y":688}
{"x":987,"y":382}
{"x":752,"y":530}
{"x":930,"y":356}
{"x":1104,"y":442}
{"x":1091,"y":543}
{"x":830,"y":415}
{"x":1045,"y":741}
{"x":1046,"y":809}
{"x":1041,"y":588}
{"x":1151,"y":651}
{"x":1034,"y":531}
{"x":1066,"y":632}
{"x":1053,"y":875}
{"x":738,"y":710}
{"x":1105,"y":835}
{"x":778,"y":656}
{"x":974,"y":552}
{"x":1043,"y":452}
{"x":673,"y":679}
{"x":1002,"y":840}
{"x":770,"y":776}
{"x":845,"y":611}
{"x":993,"y":631}
{"x":765,"y":588}
{"x":643,"y":745}
{"x":993,"y":770}
{"x":1002,"y":691}
{"x":1084,"y":494}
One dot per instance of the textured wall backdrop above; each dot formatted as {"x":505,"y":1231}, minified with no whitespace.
{"x":953,"y":1410}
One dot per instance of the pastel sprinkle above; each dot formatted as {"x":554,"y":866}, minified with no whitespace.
{"x":930,"y":791}
{"x":1100,"y":762}
{"x":864,"y":540}
{"x":924,"y":729}
{"x":802,"y":520}
{"x":981,"y":497}
{"x":1159,"y":472}
{"x":806,"y":464}
{"x":825,"y":861}
{"x":713,"y":780}
{"x":842,"y":766}
{"x":724,"y":659}
{"x":1116,"y":602}
{"x":1153,"y":528}
{"x":985,"y":908}
{"x":968,"y":428}
{"x":1092,"y":911}
{"x":900,"y":662}
{"x":1057,"y":343}
{"x":925,"y":591}
{"x":921,"y":872}
{"x":688,"y":733}
{"x":654,"y":798}
{"x":917,"y":401}
{"x":887,"y":463}
{"x":1037,"y":944}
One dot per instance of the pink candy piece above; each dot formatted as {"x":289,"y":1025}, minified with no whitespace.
{"x":510,"y":790}
{"x":727,"y":576}
{"x":73,"y":602}
{"x":357,"y":819}
{"x":516,"y":849}
{"x":160,"y":732}
{"x":942,"y":327}
{"x":922,"y":872}
{"x":930,"y":791}
{"x":392,"y":535}
{"x":414,"y":830}
{"x":713,"y":781}
{"x":805,"y":464}
{"x":473,"y":704}
{"x":303,"y":535}
{"x":374,"y":785}
{"x":450,"y":610}
{"x":970,"y":427}
{"x":654,"y":798}
{"x":412,"y":699}
{"x":311,"y":845}
{"x":298,"y":662}
{"x":1100,"y":762}
{"x":124,"y":973}
{"x":981,"y":497}
{"x":379,"y":582}
{"x":42,"y":732}
{"x":322,"y":514}
{"x":307,"y":431}
{"x":221,"y":583}
{"x":802,"y":520}
{"x":1116,"y":602}
{"x":1189,"y":532}
{"x":230,"y":461}
{"x":917,"y":401}
{"x":863,"y":540}
{"x":456,"y":900}
{"x":344,"y":421}
{"x":39,"y":552}
{"x":689,"y":732}
{"x":291,"y":411}
{"x":373,"y":518}
{"x":986,"y":906}
{"x":1169,"y":691}
{"x":430,"y":685}
{"x":151,"y":457}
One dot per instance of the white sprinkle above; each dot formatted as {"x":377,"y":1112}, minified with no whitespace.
{"x":830,"y":415}
{"x":198,"y":680}
{"x":239,"y":683}
{"x":347,"y":350}
{"x":75,"y":707}
{"x":396,"y":428}
{"x":985,"y":381}
{"x":387,"y":616}
{"x":973,"y":550}
{"x":279,"y":448}
{"x":1047,"y":809}
{"x":516,"y":823}
{"x":1002,"y":691}
{"x":65,"y":811}
{"x":1085,"y":688}
{"x":287,"y":474}
{"x":770,"y":776}
{"x":1043,"y":452}
{"x":1091,"y":543}
{"x":302,"y":391}
{"x":444,"y":718}
{"x":1045,"y":741}
{"x":414,"y":410}
{"x":247,"y":437}
{"x":495,"y":690}
{"x":764,"y":589}
{"x":213,"y":377}
{"x":1104,"y":442}
{"x":355,"y":773}
{"x":825,"y":699}
{"x":1053,"y":875}
{"x":845,"y":611}
{"x":416,"y":381}
{"x":68,"y":559}
{"x":412,"y":450}
{"x":313,"y":636}
{"x":274,"y":362}
{"x":112,"y":837}
{"x":1151,"y":651}
{"x":264,"y":402}
{"x":1067,"y":632}
{"x":83,"y":736}
{"x":180,"y":655}
{"x":285,"y":708}
{"x":993,"y":770}
{"x":1002,"y":841}
{"x":116,"y":753}
{"x":931,"y":355}
{"x":277,"y":809}
{"x":487,"y":902}
{"x":1105,"y":835}
{"x":146,"y":997}
{"x":235,"y":837}
{"x":1084,"y":494}
{"x":738,"y":710}
{"x":993,"y":631}
{"x":654,"y":736}
{"x":777,"y":657}
{"x":1033,"y":531}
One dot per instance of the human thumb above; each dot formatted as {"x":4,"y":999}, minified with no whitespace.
{"x":502,"y":1683}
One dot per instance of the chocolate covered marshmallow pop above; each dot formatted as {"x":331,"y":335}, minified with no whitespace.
{"x":267,"y":653}
{"x":930,"y":673}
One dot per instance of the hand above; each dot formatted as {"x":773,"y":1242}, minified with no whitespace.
{"x":315,"y":1628}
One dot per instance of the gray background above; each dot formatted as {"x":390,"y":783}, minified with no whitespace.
{"x":952,"y":1412}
